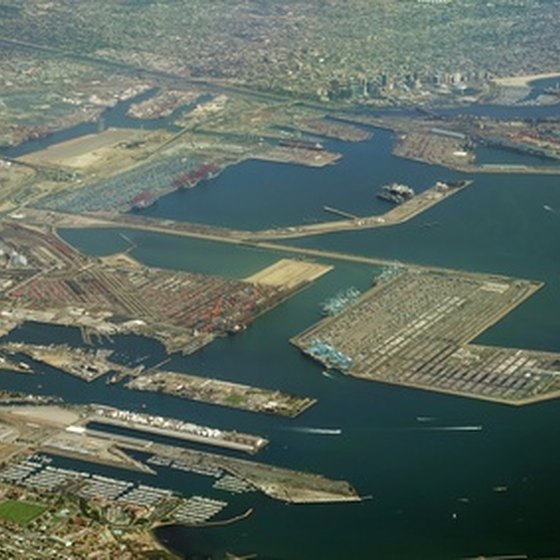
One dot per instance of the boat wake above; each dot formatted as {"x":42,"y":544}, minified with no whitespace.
{"x":551,"y":210}
{"x":449,"y":428}
{"x":318,"y":431}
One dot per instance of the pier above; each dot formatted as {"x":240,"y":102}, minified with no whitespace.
{"x":171,"y":427}
{"x":223,"y":393}
{"x":338,"y":212}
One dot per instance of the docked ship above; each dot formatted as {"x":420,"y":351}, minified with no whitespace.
{"x":396,"y":193}
{"x":190,"y":179}
{"x":143,"y":200}
{"x":459,"y":184}
{"x":301,"y":145}
{"x":339,"y":302}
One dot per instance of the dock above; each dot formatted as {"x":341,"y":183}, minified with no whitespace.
{"x":223,"y":393}
{"x":174,"y":428}
{"x":276,"y":482}
{"x":398,"y":215}
{"x":338,"y":212}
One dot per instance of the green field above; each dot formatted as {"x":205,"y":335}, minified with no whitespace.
{"x":20,"y":512}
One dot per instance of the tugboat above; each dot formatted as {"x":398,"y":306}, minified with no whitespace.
{"x":396,"y":193}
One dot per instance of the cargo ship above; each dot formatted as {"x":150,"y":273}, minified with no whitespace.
{"x":396,"y":193}
{"x":191,"y":178}
{"x":143,"y":200}
{"x":339,"y":302}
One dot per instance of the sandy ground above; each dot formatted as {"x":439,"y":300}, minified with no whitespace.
{"x":289,"y":273}
{"x":517,"y":81}
{"x":84,"y":151}
{"x":48,"y":414}
{"x":120,"y":259}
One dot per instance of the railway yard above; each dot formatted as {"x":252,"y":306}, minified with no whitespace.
{"x":415,"y":330}
{"x":46,"y":280}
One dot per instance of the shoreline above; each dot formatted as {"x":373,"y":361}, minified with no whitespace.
{"x":524,"y":80}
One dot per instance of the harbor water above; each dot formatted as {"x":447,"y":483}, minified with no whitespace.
{"x":449,"y":477}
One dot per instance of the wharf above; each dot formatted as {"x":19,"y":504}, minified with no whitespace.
{"x":174,"y":428}
{"x":398,"y":215}
{"x":415,"y":330}
{"x":86,"y":364}
{"x":224,"y":393}
{"x":279,"y":483}
{"x":338,"y":212}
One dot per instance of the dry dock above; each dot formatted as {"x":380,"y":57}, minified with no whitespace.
{"x":414,"y":330}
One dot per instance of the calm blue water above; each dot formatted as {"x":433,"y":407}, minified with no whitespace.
{"x":256,"y":194}
{"x":416,"y":476}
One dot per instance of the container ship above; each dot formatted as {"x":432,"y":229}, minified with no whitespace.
{"x":396,"y":193}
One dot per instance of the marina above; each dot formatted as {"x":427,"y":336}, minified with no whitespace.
{"x":42,"y":477}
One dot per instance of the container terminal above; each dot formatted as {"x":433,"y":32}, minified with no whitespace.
{"x":415,"y":329}
{"x":48,"y":281}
